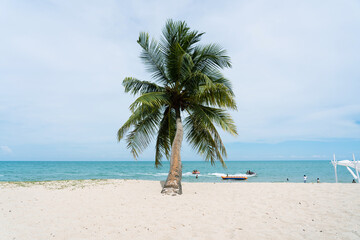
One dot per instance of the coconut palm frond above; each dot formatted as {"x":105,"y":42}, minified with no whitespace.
{"x":210,"y":91}
{"x":212,"y":115}
{"x":137,"y":115}
{"x":216,"y":95}
{"x":135,"y":86}
{"x":139,"y":138}
{"x":201,"y":138}
{"x":211,"y":56}
{"x":151,"y":99}
{"x":217,"y":77}
{"x":186,"y":65}
{"x":153,"y":58}
{"x":165,"y":136}
{"x":174,"y":63}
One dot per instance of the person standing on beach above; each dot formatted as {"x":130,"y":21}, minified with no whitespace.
{"x":305,"y":177}
{"x":318,"y":180}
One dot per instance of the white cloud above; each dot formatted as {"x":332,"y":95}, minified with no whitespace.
{"x":5,"y":149}
{"x":294,"y":72}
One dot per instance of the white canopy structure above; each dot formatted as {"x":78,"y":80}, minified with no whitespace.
{"x":348,"y":164}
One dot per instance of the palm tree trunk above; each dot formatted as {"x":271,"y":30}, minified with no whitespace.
{"x":172,"y":185}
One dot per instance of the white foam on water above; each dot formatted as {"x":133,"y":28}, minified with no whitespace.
{"x":253,"y":175}
{"x":236,"y":174}
{"x":189,"y":174}
{"x":151,"y":174}
{"x":244,"y":175}
{"x":217,"y":174}
{"x":185,"y":174}
{"x":160,"y":174}
{"x":122,"y":174}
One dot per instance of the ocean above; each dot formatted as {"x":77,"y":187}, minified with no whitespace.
{"x":267,"y":171}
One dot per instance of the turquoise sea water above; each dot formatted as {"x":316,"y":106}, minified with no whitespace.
{"x":267,"y":171}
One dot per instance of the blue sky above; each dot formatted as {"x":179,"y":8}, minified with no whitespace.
{"x":295,"y":74}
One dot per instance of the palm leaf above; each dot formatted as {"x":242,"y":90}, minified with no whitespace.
{"x":211,"y":56}
{"x":201,"y":139}
{"x":216,"y":95}
{"x":151,"y":99}
{"x":139,"y":138}
{"x":211,"y":115}
{"x":136,"y":86}
{"x":165,"y":136}
{"x":137,"y":115}
{"x":153,"y":58}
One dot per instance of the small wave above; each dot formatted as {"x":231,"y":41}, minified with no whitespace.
{"x":254,"y":175}
{"x":188,"y":174}
{"x":245,"y":175}
{"x":149,"y":174}
{"x":217,"y":174}
{"x":122,"y":174}
{"x":236,"y":174}
{"x":160,"y":174}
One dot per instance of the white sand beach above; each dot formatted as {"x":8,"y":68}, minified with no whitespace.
{"x":130,"y":209}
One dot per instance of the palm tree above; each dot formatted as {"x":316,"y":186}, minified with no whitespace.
{"x":187,"y":83}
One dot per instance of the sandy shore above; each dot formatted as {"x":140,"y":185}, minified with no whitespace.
{"x":130,"y":209}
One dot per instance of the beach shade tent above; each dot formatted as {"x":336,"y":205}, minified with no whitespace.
{"x":348,"y":164}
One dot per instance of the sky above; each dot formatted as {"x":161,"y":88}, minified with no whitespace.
{"x":295,"y":74}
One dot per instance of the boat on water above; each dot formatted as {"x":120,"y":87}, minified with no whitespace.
{"x":195,"y":171}
{"x":250,"y":173}
{"x":234,"y":177}
{"x":239,"y":177}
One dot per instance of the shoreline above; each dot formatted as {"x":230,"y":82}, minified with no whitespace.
{"x":40,"y":182}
